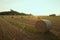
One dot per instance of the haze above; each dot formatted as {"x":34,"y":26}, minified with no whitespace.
{"x":35,"y":7}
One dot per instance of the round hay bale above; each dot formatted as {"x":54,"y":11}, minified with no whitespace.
{"x":43,"y":25}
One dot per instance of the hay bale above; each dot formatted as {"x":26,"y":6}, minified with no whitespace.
{"x":43,"y":25}
{"x":48,"y":23}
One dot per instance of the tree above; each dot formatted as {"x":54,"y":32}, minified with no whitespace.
{"x":52,"y":15}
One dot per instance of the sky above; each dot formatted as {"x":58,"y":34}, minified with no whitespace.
{"x":35,"y":7}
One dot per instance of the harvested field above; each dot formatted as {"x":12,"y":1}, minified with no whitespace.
{"x":23,"y":28}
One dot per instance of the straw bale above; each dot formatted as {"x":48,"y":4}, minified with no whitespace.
{"x":43,"y":25}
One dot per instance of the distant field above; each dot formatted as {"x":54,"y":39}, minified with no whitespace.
{"x":11,"y":26}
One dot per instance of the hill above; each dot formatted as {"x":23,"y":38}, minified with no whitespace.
{"x":12,"y":12}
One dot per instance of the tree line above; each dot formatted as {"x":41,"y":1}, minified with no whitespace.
{"x":12,"y":12}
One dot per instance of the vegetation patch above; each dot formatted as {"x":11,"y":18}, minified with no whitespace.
{"x":26,"y":27}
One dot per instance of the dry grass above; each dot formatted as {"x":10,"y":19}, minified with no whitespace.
{"x":23,"y":28}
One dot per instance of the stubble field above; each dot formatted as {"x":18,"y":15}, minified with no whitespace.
{"x":23,"y":27}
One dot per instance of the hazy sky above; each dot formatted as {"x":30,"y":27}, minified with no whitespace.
{"x":36,"y":7}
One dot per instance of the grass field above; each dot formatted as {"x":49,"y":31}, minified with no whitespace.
{"x":23,"y":27}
